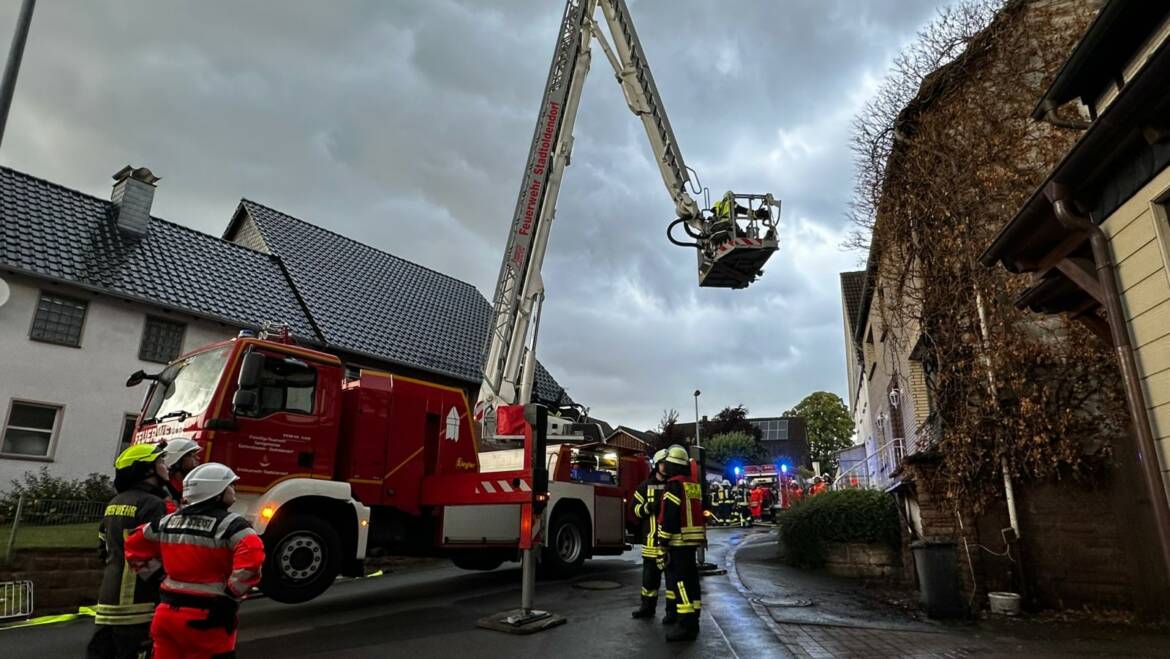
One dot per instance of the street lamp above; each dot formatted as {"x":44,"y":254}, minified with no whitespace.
{"x":895,"y":397}
{"x":696,"y":394}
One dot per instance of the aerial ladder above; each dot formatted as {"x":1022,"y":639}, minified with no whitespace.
{"x":733,"y":239}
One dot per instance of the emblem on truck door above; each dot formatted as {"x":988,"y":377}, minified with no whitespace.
{"x":452,"y":432}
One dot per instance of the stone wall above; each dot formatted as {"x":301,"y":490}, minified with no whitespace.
{"x":862,"y":560}
{"x":63,"y":579}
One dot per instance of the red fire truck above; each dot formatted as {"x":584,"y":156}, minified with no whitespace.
{"x":332,"y":470}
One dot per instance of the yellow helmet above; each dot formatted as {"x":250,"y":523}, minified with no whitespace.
{"x":678,"y":455}
{"x":658,"y":457}
{"x":147,"y":453}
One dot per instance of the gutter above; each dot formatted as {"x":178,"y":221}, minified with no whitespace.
{"x":1147,"y":455}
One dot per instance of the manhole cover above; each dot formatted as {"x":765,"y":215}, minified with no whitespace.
{"x":782,"y":603}
{"x":597,"y":585}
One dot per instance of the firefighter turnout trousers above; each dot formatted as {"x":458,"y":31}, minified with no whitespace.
{"x":176,"y":638}
{"x":682,"y":580}
{"x":652,"y":574}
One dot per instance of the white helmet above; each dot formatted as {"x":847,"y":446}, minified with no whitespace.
{"x":206,"y":482}
{"x":176,"y":449}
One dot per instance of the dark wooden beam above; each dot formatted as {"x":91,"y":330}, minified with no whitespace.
{"x":1067,"y":246}
{"x":1082,"y":273}
{"x":1097,"y":325}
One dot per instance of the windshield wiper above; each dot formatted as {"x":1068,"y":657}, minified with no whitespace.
{"x":181,"y":415}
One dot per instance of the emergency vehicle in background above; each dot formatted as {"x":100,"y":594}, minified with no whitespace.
{"x":333,"y":469}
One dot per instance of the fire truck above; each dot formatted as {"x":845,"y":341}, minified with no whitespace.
{"x":334,"y":469}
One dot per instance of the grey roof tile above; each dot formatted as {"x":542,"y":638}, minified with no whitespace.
{"x":852,"y":284}
{"x":367,"y":300}
{"x":51,"y":231}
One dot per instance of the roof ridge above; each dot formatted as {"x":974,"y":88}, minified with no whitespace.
{"x":107,"y":203}
{"x":245,"y":200}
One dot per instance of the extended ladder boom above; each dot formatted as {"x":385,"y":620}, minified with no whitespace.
{"x":509,"y":365}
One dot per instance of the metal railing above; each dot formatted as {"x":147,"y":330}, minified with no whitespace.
{"x":51,"y":523}
{"x":16,"y":599}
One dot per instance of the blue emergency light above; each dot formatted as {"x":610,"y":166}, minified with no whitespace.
{"x":784,"y":469}
{"x":737,"y":471}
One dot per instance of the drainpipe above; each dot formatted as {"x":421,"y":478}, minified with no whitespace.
{"x":1061,"y":198}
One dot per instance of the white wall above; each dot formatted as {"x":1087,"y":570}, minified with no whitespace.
{"x":88,"y":381}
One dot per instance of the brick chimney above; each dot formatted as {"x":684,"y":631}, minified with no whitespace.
{"x":133,"y":194}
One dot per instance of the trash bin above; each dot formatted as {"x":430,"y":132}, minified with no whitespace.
{"x":938,"y":579}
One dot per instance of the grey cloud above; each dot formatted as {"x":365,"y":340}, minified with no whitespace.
{"x":406,"y":124}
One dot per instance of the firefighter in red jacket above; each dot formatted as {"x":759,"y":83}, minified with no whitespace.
{"x":682,"y":530}
{"x":211,"y":556}
{"x":181,"y":456}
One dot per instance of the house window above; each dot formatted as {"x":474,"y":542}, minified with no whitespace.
{"x":773,"y":430}
{"x":162,"y":340}
{"x":30,"y":429}
{"x":127,"y":435}
{"x":287,"y":385}
{"x":58,"y":320}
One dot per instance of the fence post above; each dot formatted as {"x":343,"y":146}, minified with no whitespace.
{"x":12,"y":534}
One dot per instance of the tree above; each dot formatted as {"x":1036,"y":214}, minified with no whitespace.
{"x":734,"y":447}
{"x":830,"y":428}
{"x":730,"y":420}
{"x":668,"y":432}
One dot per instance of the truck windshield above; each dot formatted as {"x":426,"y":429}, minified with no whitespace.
{"x":185,"y":388}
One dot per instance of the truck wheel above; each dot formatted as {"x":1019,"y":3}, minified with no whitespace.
{"x":568,"y":543}
{"x":303,"y":558}
{"x":477,"y":562}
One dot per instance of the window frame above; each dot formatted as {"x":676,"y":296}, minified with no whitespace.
{"x":168,"y":321}
{"x":80,"y":330}
{"x":1161,"y":210}
{"x":54,"y":435}
{"x":261,"y":413}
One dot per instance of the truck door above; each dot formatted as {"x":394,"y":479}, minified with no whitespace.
{"x":292,"y":430}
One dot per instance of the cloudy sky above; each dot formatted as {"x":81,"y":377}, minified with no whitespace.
{"x":405,"y":124}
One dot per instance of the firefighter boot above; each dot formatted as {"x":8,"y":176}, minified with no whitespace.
{"x":670,"y":618}
{"x":646,"y":610}
{"x":686,"y":630}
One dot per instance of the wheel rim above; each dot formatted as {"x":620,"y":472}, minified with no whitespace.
{"x":300,"y":557}
{"x":568,"y":543}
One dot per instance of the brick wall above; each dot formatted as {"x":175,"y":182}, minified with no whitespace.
{"x":62,"y":579}
{"x":1074,"y":550}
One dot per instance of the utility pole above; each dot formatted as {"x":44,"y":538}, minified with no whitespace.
{"x":697,"y":442}
{"x":12,"y":67}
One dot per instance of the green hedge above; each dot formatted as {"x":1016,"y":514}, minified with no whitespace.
{"x":862,"y":516}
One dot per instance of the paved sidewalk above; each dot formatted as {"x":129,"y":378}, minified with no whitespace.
{"x":816,"y":615}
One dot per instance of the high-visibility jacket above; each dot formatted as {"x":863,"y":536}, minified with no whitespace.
{"x":680,"y":517}
{"x":125,"y":599}
{"x":722,"y":209}
{"x":206,"y":551}
{"x":648,"y":499}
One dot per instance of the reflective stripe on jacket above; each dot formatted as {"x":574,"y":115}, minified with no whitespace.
{"x":645,"y":496}
{"x":205,"y":550}
{"x":123,"y":598}
{"x":680,"y":517}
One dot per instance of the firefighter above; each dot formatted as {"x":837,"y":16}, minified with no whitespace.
{"x":212,"y":557}
{"x":742,"y":509}
{"x":181,"y":456}
{"x":725,"y":502}
{"x":125,"y":604}
{"x":647,"y":499}
{"x":717,"y":496}
{"x":682,"y":531}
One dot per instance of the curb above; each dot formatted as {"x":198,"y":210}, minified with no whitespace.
{"x":733,"y":577}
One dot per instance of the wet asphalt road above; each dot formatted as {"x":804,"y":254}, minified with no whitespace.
{"x":432,"y":612}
